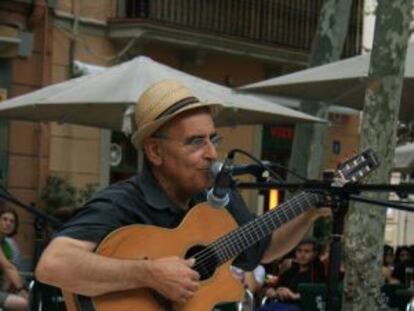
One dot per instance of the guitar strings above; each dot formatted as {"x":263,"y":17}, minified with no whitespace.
{"x":205,"y":256}
{"x":250,"y":228}
{"x":207,"y":259}
{"x":222,"y":241}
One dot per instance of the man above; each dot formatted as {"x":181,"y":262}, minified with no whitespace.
{"x":304,"y":268}
{"x":177,"y":135}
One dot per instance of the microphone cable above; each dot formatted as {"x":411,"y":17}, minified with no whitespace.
{"x":231,"y":154}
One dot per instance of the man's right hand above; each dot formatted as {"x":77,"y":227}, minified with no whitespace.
{"x":174,"y":278}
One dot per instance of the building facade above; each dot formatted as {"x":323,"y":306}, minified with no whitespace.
{"x":228,"y":42}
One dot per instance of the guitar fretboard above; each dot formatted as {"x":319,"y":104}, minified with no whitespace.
{"x":238,"y":240}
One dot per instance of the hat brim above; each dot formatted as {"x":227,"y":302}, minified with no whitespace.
{"x":150,"y":128}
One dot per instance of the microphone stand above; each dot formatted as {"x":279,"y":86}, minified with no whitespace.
{"x":339,"y":210}
{"x":54,"y":222}
{"x":341,"y":198}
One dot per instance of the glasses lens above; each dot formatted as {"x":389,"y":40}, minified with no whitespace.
{"x":197,"y":143}
{"x":216,"y":140}
{"x":200,"y":142}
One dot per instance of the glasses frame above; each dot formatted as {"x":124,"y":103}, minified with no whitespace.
{"x":195,"y":143}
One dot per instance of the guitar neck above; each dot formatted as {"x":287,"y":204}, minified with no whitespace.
{"x":238,"y":240}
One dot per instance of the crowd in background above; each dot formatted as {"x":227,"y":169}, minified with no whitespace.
{"x":398,"y":265}
{"x":276,"y":286}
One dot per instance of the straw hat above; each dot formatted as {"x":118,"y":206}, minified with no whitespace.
{"x":160,"y":103}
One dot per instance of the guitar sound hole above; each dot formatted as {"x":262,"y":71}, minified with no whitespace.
{"x":206,"y":260}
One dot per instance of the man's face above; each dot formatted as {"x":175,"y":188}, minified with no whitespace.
{"x":7,"y":223}
{"x":304,"y":254}
{"x":405,"y":256}
{"x":184,"y":161}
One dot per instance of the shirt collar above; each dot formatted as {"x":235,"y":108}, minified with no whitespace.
{"x":153,"y":192}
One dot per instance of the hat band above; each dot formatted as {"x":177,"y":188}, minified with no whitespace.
{"x":178,"y":105}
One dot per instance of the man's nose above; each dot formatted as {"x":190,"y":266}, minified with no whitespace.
{"x":211,"y":152}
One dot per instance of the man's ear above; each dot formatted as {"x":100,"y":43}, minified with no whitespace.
{"x":152,"y":150}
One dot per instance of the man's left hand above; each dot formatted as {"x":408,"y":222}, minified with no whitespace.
{"x":316,"y":213}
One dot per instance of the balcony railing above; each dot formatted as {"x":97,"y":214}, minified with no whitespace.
{"x":288,"y":23}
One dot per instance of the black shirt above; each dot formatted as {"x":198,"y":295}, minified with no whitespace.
{"x":141,"y":200}
{"x":293,"y":276}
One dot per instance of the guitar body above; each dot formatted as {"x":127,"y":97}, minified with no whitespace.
{"x":201,"y":226}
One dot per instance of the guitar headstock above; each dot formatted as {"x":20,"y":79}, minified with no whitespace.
{"x":357,"y":167}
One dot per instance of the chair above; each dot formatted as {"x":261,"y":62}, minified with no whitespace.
{"x":396,"y":296}
{"x":314,"y":297}
{"x":265,"y":300}
{"x":45,"y":297}
{"x":247,"y":304}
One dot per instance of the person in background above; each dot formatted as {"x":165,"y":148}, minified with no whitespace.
{"x":255,"y":279}
{"x":16,"y":257}
{"x":388,"y":265}
{"x":403,"y":264}
{"x":17,"y":297}
{"x":402,"y":255}
{"x":252,"y":280}
{"x":304,"y":268}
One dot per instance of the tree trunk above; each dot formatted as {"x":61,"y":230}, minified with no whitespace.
{"x":308,"y":145}
{"x":364,"y":234}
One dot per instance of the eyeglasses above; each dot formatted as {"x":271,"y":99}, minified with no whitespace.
{"x":195,"y":143}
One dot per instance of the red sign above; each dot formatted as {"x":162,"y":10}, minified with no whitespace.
{"x":282,"y":132}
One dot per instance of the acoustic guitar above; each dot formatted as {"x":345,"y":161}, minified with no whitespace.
{"x":213,"y":238}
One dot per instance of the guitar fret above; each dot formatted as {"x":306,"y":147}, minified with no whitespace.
{"x":263,"y":227}
{"x":245,"y":236}
{"x":307,"y":200}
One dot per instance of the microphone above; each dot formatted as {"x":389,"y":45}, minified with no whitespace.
{"x":240,"y":169}
{"x":222,"y":172}
{"x":218,"y":195}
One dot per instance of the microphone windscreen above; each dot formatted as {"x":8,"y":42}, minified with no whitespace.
{"x":215,"y":169}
